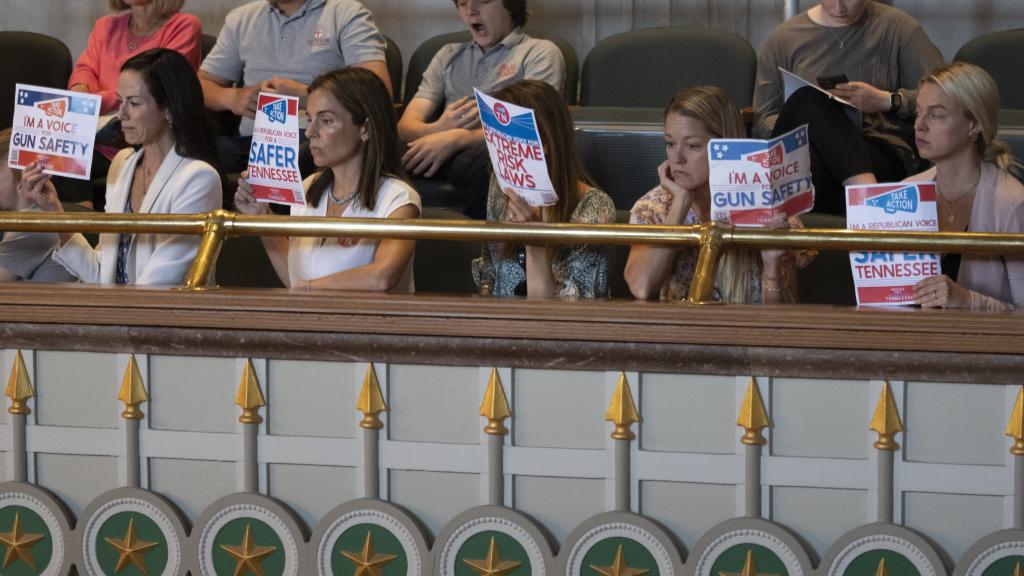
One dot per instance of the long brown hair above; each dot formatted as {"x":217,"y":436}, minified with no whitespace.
{"x":556,"y":133}
{"x":365,"y":97}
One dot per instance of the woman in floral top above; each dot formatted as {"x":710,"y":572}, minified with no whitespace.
{"x":683,"y":197}
{"x":540,"y":271}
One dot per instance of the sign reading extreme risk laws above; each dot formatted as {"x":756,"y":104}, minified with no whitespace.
{"x":888,"y":278}
{"x":274,"y":153}
{"x":517,"y":154}
{"x":752,"y":180}
{"x":55,"y":128}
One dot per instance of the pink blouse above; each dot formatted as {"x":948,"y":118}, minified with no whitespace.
{"x":111,"y":44}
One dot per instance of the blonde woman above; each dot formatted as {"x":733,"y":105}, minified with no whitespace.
{"x":137,"y":26}
{"x":956,"y":127}
{"x":683,"y":197}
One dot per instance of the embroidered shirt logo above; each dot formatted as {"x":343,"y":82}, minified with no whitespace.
{"x":507,"y":70}
{"x":320,"y":39}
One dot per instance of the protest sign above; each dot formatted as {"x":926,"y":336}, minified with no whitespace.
{"x":752,"y":180}
{"x":517,"y":153}
{"x":888,"y":278}
{"x":274,"y":152}
{"x":55,"y":128}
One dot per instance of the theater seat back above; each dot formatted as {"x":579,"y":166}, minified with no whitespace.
{"x":30,"y":58}
{"x":1000,"y":54}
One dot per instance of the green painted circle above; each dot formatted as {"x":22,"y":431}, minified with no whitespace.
{"x":602,"y":555}
{"x":1003,"y":566}
{"x":731,"y":561}
{"x":867,"y":564}
{"x":41,"y":552}
{"x":116,"y":527}
{"x":384,"y":542}
{"x":232,"y":534}
{"x":476,"y":547}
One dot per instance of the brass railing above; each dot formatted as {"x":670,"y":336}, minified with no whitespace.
{"x":216,"y":226}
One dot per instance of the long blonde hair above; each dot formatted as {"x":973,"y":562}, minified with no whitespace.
{"x":712,"y":107}
{"x":976,"y":92}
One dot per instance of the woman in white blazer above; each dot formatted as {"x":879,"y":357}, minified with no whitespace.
{"x":169,"y":170}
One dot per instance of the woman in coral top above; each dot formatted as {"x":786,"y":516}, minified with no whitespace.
{"x":114,"y":39}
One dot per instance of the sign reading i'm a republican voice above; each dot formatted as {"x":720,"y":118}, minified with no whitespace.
{"x":888,"y":278}
{"x":517,"y":154}
{"x":274,"y":153}
{"x":54,"y":128}
{"x":753,"y":180}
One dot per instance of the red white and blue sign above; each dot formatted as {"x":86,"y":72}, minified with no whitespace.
{"x":274,"y":153}
{"x":888,"y":278}
{"x":753,"y":180}
{"x":54,"y":128}
{"x":517,"y":153}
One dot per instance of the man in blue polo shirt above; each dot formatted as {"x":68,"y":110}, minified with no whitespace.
{"x":441,"y":124}
{"x":280,"y":46}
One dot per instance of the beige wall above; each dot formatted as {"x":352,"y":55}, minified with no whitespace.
{"x":582,"y":22}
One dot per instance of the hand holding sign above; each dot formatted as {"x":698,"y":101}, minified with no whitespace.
{"x":274,"y":152}
{"x":245,"y":201}
{"x":36,"y":187}
{"x":941,"y":292}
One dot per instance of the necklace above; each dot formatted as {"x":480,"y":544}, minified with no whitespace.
{"x":141,"y":34}
{"x":842,"y":43}
{"x":343,"y":201}
{"x":953,"y":205}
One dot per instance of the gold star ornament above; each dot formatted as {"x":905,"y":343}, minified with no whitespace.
{"x":19,"y":544}
{"x":749,"y":568}
{"x":368,"y":562}
{"x":248,"y":556}
{"x":493,"y":565}
{"x":131,"y":549}
{"x":619,"y":567}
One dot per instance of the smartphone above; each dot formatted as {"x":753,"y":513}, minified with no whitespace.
{"x":830,"y":82}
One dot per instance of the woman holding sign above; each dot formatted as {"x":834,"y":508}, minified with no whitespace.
{"x":353,"y":139}
{"x":957,"y":122}
{"x":539,"y":271}
{"x":169,"y":170}
{"x":694,"y":117}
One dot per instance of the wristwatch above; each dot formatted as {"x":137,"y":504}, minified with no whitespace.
{"x":895,"y":101}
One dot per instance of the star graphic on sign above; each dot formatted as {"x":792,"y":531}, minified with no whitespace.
{"x":131,"y":549}
{"x":21,"y":97}
{"x":619,"y":567}
{"x":725,"y":147}
{"x":715,"y":147}
{"x":719,"y":155}
{"x":248,"y":556}
{"x":749,"y":568}
{"x":493,"y":565}
{"x":368,"y":562}
{"x":19,"y":544}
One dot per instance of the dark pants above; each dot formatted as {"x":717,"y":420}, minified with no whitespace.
{"x":839,"y":149}
{"x":469,"y":173}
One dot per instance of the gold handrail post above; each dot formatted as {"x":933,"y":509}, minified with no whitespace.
{"x":702,"y":286}
{"x":219,"y":225}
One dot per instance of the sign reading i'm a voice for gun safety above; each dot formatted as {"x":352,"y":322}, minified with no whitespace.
{"x":274,"y":153}
{"x":55,"y":128}
{"x":517,"y":154}
{"x":752,"y":180}
{"x":888,"y":278}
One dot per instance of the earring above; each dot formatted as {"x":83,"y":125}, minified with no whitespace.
{"x":364,"y":138}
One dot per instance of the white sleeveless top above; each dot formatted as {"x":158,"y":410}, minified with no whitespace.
{"x":311,"y":258}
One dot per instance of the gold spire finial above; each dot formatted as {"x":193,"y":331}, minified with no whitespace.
{"x":495,"y":406}
{"x":1014,"y":428}
{"x":371,"y":401}
{"x":250,"y":397}
{"x":886,"y":420}
{"x":132,"y":392}
{"x":622,"y":411}
{"x":881,"y":570}
{"x":753,"y":417}
{"x":19,"y":387}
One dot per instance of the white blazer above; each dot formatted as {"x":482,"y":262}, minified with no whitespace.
{"x":180,"y":186}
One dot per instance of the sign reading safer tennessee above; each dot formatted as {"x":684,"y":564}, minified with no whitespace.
{"x":888,"y":278}
{"x":54,"y":128}
{"x":517,"y":154}
{"x":752,"y":180}
{"x":274,"y":152}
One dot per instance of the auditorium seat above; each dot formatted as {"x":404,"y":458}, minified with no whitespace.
{"x":422,"y":56}
{"x":644,"y":68}
{"x":828,"y":279}
{"x":444,"y":265}
{"x":1000,"y":54}
{"x":31,"y":58}
{"x":393,"y":58}
{"x":622,"y":163}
